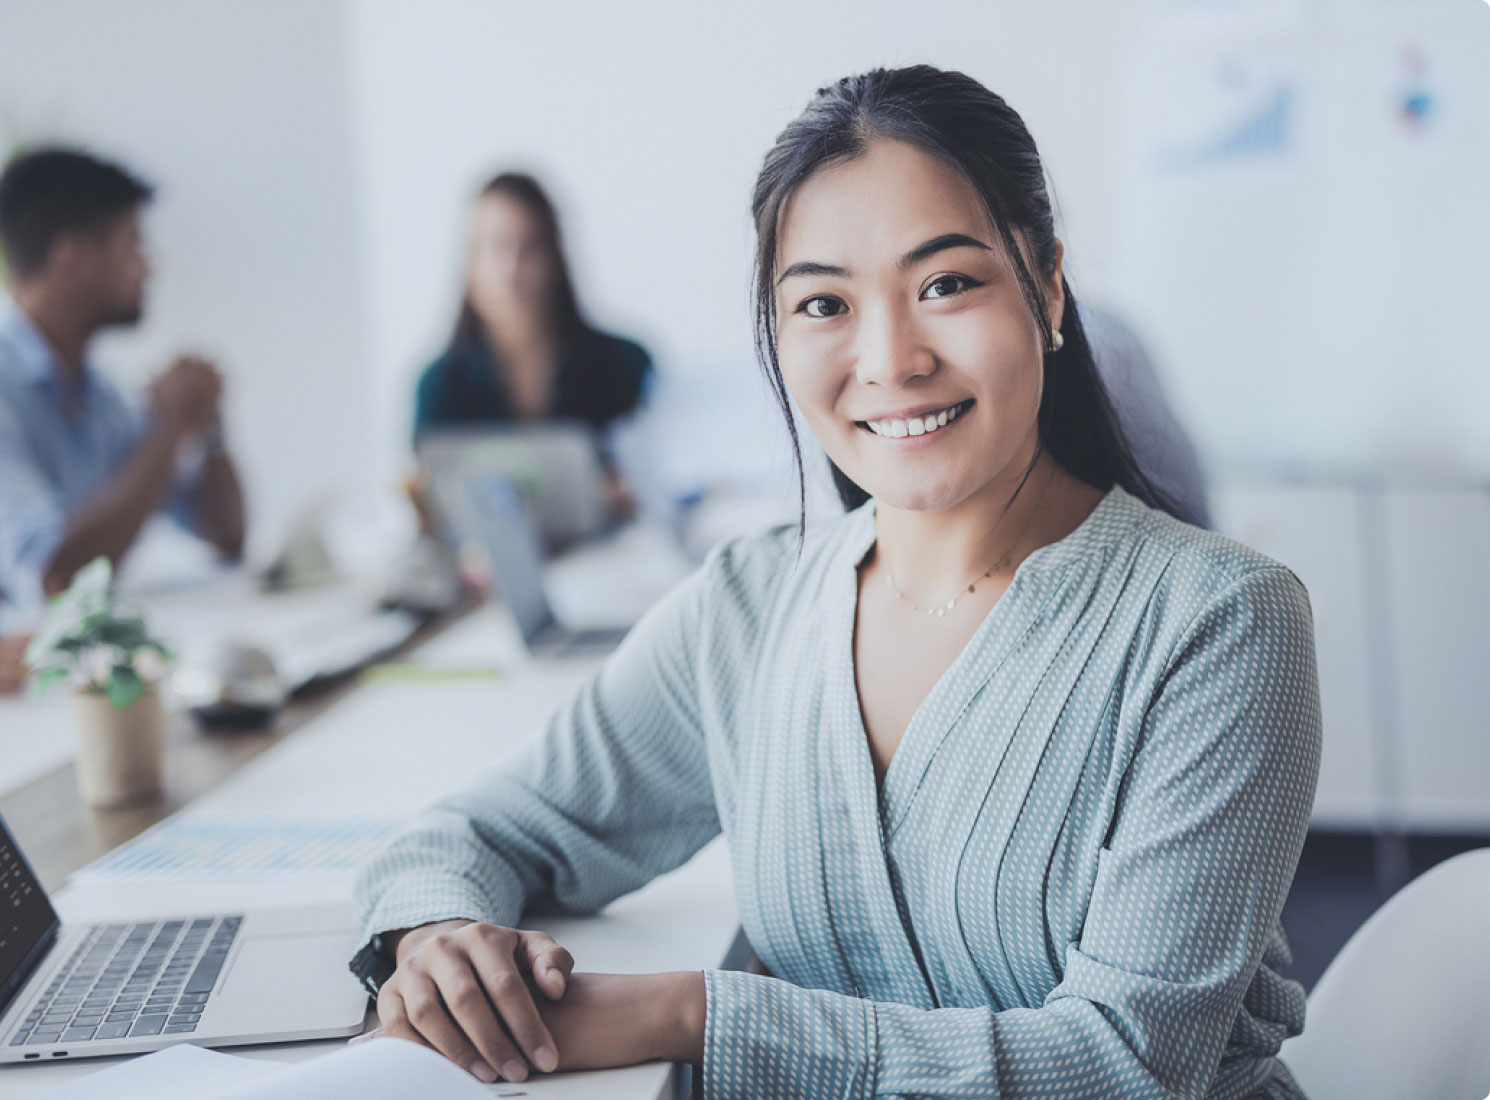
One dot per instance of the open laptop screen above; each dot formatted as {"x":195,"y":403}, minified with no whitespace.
{"x":513,"y":551}
{"x":28,"y":922}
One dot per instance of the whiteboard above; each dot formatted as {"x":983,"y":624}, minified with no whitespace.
{"x":1303,"y":233}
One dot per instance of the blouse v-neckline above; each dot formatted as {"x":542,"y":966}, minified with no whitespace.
{"x":1012,"y":613}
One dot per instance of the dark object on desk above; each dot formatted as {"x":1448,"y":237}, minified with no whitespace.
{"x":229,"y":685}
{"x":229,"y":719}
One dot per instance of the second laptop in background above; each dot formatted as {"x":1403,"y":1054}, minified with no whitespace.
{"x":515,"y":555}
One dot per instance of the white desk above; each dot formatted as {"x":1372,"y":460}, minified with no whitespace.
{"x":394,"y":747}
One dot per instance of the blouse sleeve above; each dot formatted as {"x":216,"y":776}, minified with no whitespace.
{"x":615,"y":792}
{"x":1189,"y":888}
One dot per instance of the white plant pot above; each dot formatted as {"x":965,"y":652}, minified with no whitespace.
{"x":119,"y":751}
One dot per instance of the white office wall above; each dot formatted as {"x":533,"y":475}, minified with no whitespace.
{"x":239,"y":111}
{"x":1436,"y":603}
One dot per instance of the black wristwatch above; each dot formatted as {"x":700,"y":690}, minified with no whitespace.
{"x":373,"y":965}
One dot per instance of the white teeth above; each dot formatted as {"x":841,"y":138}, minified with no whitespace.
{"x":899,"y":429}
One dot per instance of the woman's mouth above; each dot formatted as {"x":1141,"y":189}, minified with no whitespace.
{"x":921,"y":424}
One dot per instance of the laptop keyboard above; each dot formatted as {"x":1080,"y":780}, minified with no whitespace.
{"x":126,"y":980}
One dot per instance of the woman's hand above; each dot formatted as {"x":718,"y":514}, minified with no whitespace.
{"x":468,"y":990}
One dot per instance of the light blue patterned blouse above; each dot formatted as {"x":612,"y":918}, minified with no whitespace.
{"x":1069,"y":884}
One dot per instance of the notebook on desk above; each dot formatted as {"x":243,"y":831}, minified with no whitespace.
{"x":121,"y":987}
{"x":380,"y":1069}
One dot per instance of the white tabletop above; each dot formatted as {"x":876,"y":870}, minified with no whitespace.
{"x":391,"y":747}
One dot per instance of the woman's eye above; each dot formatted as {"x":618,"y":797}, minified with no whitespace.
{"x":821,"y":307}
{"x":944,"y":286}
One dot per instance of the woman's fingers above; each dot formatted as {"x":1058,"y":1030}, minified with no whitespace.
{"x":465,"y":992}
{"x":549,"y":963}
{"x":471,"y":1008}
{"x":495,"y":960}
{"x":392,"y":1020}
{"x":426,"y":1016}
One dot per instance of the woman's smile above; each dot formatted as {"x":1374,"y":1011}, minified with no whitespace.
{"x":903,"y":427}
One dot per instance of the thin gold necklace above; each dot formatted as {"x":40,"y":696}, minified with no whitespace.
{"x":941,"y":609}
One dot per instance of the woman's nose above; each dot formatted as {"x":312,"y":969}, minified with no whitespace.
{"x":891,"y":350}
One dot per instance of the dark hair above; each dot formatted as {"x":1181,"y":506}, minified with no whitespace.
{"x":570,"y":325}
{"x":48,"y":192}
{"x":952,"y":117}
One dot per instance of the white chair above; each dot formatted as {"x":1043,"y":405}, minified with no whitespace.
{"x":1403,"y":1012}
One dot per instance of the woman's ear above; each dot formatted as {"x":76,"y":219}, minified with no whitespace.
{"x":1055,"y":291}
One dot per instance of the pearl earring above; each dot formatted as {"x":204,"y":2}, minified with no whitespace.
{"x":1057,"y":341}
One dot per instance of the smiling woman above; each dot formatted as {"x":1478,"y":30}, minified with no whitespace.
{"x":1015,"y":817}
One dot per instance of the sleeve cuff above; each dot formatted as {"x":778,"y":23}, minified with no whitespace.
{"x":766,"y":1037}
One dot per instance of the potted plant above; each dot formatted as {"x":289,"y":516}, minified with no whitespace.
{"x":105,"y":653}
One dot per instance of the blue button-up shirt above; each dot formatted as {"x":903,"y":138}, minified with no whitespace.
{"x":54,"y":454}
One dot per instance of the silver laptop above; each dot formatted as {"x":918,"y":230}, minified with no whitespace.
{"x":124,"y":987}
{"x":555,"y":466}
{"x":513,"y":551}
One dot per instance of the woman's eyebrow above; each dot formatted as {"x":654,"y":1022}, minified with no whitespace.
{"x":910,"y":259}
{"x":808,"y":267}
{"x":940,"y":244}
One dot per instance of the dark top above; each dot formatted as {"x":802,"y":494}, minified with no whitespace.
{"x":601,"y":377}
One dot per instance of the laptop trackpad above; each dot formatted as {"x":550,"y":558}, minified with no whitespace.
{"x":301,"y":982}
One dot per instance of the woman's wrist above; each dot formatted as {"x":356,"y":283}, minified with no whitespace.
{"x":683,"y":1000}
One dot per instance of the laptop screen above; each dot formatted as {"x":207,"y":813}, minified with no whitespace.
{"x":26,"y":917}
{"x":513,"y":551}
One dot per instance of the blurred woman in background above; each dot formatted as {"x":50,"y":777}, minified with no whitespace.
{"x":522,"y":351}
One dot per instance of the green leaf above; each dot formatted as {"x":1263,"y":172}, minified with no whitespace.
{"x":124,"y":687}
{"x":94,"y":620}
{"x":129,"y":634}
{"x":47,"y":678}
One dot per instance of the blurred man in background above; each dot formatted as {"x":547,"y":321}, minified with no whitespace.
{"x":81,"y":470}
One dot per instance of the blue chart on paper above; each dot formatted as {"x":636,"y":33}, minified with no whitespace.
{"x":212,"y":848}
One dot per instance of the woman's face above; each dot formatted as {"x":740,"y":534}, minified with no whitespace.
{"x":511,"y":268}
{"x":902,"y":333}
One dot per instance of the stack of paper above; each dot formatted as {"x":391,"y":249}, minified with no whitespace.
{"x":380,"y":1069}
